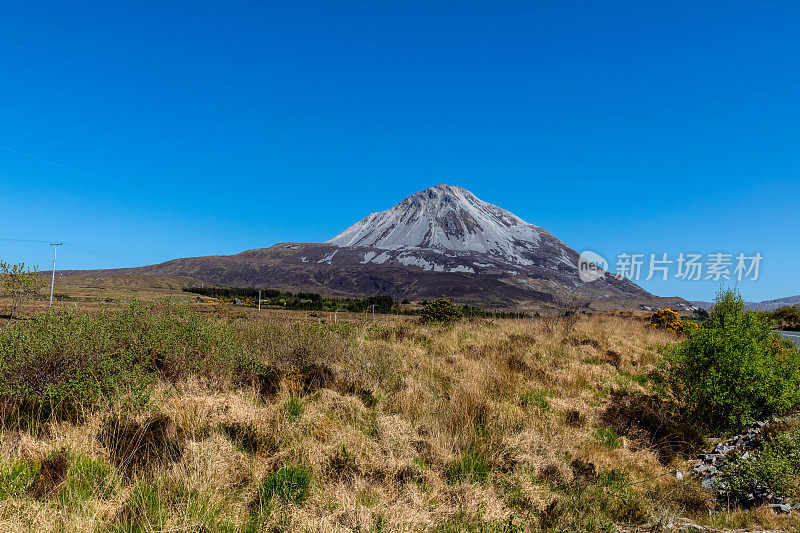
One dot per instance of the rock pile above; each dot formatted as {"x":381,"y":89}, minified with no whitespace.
{"x":709,"y":465}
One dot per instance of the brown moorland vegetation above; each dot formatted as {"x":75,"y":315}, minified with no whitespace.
{"x":236,"y":421}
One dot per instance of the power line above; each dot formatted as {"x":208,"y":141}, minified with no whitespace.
{"x":97,"y":253}
{"x":172,"y":201}
{"x":77,"y":248}
{"x":22,"y":240}
{"x":82,"y":172}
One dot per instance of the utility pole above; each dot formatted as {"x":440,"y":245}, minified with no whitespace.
{"x":55,"y":246}
{"x":259,"y":299}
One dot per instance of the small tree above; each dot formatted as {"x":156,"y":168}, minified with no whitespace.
{"x":20,"y":283}
{"x":441,"y":311}
{"x":734,"y":370}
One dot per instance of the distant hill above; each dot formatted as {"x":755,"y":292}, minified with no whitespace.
{"x":766,"y":305}
{"x":440,"y":241}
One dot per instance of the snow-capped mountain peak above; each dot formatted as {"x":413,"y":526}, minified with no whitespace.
{"x":440,"y":241}
{"x":444,"y":218}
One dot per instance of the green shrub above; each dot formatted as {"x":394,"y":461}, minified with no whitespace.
{"x":66,"y":363}
{"x":787,"y":317}
{"x":441,"y":311}
{"x":732,"y":371}
{"x":289,"y":484}
{"x":63,"y":363}
{"x":20,"y":283}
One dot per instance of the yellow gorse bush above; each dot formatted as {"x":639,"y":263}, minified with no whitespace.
{"x":666,"y":319}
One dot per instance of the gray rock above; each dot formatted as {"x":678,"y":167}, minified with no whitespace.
{"x":722,"y":448}
{"x":709,"y":466}
{"x":780,"y":507}
{"x":709,"y":470}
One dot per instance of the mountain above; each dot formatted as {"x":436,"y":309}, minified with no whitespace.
{"x":446,"y":218}
{"x":766,"y":305}
{"x":440,"y":241}
{"x":771,"y":305}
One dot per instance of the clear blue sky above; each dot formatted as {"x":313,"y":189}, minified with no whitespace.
{"x":220,"y":126}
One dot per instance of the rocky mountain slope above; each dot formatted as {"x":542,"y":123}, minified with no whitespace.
{"x":447,"y":218}
{"x":440,"y":241}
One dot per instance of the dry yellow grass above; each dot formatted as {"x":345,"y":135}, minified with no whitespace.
{"x":480,"y":426}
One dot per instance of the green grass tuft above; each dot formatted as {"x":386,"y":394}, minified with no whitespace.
{"x":469,"y":467}
{"x":536,"y":399}
{"x":293,"y":406}
{"x":87,"y":479}
{"x":607,"y":437}
{"x":16,"y":478}
{"x":289,"y":484}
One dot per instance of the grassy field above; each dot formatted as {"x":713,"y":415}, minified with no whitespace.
{"x":227,"y":419}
